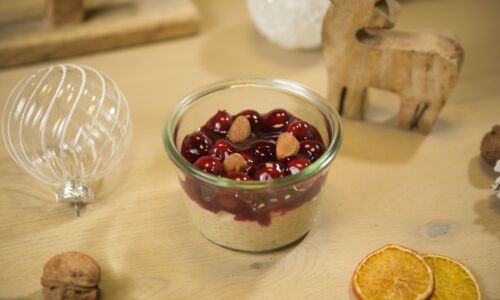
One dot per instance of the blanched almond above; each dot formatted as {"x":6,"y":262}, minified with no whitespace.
{"x":234,"y":163}
{"x":240,"y":129}
{"x":286,"y":145}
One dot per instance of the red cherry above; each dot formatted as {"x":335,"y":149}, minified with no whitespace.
{"x":222,"y":149}
{"x":238,"y":176}
{"x":263,"y":150}
{"x":210,"y":165}
{"x":213,"y":135}
{"x":300,"y":130}
{"x":195,"y":145}
{"x":315,"y":135}
{"x":219,"y":123}
{"x":253,"y":117}
{"x":231,"y":203}
{"x":295,"y":164}
{"x":275,"y":120}
{"x":268,"y":171}
{"x":311,"y":149}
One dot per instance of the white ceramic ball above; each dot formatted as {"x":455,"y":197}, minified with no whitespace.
{"x":291,"y":24}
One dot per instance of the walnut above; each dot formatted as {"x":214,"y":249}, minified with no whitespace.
{"x":490,"y":146}
{"x":71,"y":276}
{"x":286,"y":145}
{"x":240,"y":129}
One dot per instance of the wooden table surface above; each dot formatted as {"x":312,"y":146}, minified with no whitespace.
{"x":430,"y":193}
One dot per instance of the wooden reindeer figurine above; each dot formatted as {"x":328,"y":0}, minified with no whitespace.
{"x":361,"y":52}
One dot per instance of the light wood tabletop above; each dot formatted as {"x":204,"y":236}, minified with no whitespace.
{"x":430,"y":192}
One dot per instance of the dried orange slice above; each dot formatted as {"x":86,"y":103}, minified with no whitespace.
{"x":393,"y":272}
{"x":453,"y":280}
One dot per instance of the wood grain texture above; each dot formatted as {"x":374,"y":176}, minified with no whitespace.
{"x":103,"y":29}
{"x":360,"y":52}
{"x":427,"y":192}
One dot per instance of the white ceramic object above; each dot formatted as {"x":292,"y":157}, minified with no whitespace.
{"x":291,"y":24}
{"x":67,"y":125}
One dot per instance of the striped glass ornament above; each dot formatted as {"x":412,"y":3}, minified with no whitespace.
{"x":67,"y":125}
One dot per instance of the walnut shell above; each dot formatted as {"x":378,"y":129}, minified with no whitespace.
{"x":490,"y":146}
{"x":71,"y":276}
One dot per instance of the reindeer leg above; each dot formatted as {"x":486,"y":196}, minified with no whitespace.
{"x":407,"y":110}
{"x":335,"y":97}
{"x":420,"y":115}
{"x":429,"y":117}
{"x":353,"y":102}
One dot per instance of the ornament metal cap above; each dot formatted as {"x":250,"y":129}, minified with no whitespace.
{"x":75,"y":193}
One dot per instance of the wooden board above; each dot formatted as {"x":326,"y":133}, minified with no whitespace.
{"x":127,"y":24}
{"x":427,"y":192}
{"x":15,"y":11}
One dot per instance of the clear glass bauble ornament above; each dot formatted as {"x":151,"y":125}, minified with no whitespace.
{"x":291,"y":24}
{"x":67,"y":125}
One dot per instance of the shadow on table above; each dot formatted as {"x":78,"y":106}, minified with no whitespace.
{"x":376,"y":142}
{"x":481,"y":175}
{"x":238,"y":274}
{"x":488,"y":211}
{"x":130,"y":287}
{"x":34,"y":296}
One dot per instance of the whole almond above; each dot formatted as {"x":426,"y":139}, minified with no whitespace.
{"x":234,"y":163}
{"x":240,"y":129}
{"x":286,"y":145}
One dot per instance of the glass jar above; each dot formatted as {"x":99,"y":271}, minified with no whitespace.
{"x":252,"y":215}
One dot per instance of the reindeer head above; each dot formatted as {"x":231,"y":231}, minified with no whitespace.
{"x":384,"y":14}
{"x":367,"y":13}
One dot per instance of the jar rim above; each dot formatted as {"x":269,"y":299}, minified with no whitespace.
{"x":334,"y":127}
